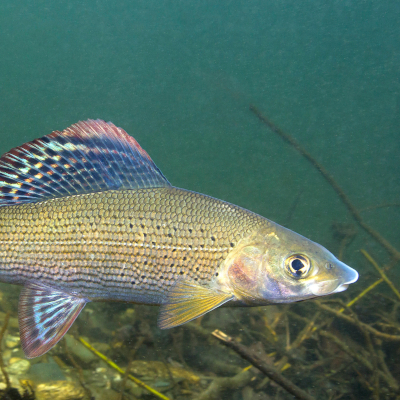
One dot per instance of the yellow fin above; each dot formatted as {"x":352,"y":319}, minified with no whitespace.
{"x":189,"y":300}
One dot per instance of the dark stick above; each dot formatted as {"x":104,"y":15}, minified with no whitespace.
{"x":262,"y":366}
{"x":328,"y":177}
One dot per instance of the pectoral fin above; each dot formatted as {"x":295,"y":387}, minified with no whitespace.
{"x":45,"y":314}
{"x":187,"y":301}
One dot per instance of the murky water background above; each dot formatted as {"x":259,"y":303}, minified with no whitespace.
{"x":179,"y":77}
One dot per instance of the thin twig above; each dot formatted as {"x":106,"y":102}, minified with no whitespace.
{"x":374,"y":358}
{"x":361,"y":359}
{"x":121,"y":371}
{"x":262,"y":366}
{"x":362,"y":294}
{"x":78,"y":368}
{"x":306,"y":332}
{"x":385,"y":369}
{"x":379,"y":206}
{"x":380,"y":270}
{"x":124,"y":379}
{"x":395,"y":338}
{"x":328,"y":177}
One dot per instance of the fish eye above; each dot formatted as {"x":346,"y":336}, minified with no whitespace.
{"x":298,"y":265}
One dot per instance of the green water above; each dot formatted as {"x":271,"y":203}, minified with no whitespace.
{"x":180,"y":76}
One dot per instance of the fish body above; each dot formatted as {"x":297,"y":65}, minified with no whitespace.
{"x":87,"y":216}
{"x":129,"y":245}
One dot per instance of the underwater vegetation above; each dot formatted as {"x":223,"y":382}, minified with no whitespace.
{"x":341,"y":347}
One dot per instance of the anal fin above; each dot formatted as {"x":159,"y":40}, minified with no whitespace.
{"x":188,"y":300}
{"x":45,"y":314}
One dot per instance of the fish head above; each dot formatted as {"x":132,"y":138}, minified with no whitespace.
{"x":277,"y":265}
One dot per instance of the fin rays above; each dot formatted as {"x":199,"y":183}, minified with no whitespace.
{"x":87,"y":157}
{"x":187,"y":301}
{"x":45,"y":315}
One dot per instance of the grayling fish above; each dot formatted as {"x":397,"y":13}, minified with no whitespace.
{"x":87,"y":216}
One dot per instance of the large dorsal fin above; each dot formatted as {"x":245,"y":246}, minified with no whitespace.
{"x":87,"y":157}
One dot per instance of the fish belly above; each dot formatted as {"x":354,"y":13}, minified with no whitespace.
{"x":125,"y":245}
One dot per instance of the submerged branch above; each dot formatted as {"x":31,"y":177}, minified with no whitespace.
{"x":380,"y":206}
{"x":388,"y":378}
{"x":380,"y":270}
{"x":369,"y":328}
{"x":328,"y":177}
{"x":274,"y":375}
{"x":78,"y":368}
{"x":122,"y":372}
{"x":362,"y":294}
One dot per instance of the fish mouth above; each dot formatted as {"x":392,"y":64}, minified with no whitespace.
{"x":341,"y":288}
{"x":351,"y":275}
{"x":339,"y":284}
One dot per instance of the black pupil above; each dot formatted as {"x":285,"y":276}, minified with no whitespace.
{"x":297,"y":264}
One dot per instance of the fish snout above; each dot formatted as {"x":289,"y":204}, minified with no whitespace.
{"x":348,"y":276}
{"x":335,"y":278}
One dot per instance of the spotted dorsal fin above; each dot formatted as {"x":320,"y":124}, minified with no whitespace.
{"x":89,"y":156}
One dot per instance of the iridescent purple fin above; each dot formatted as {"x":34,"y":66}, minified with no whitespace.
{"x":45,"y":315}
{"x":89,"y":156}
